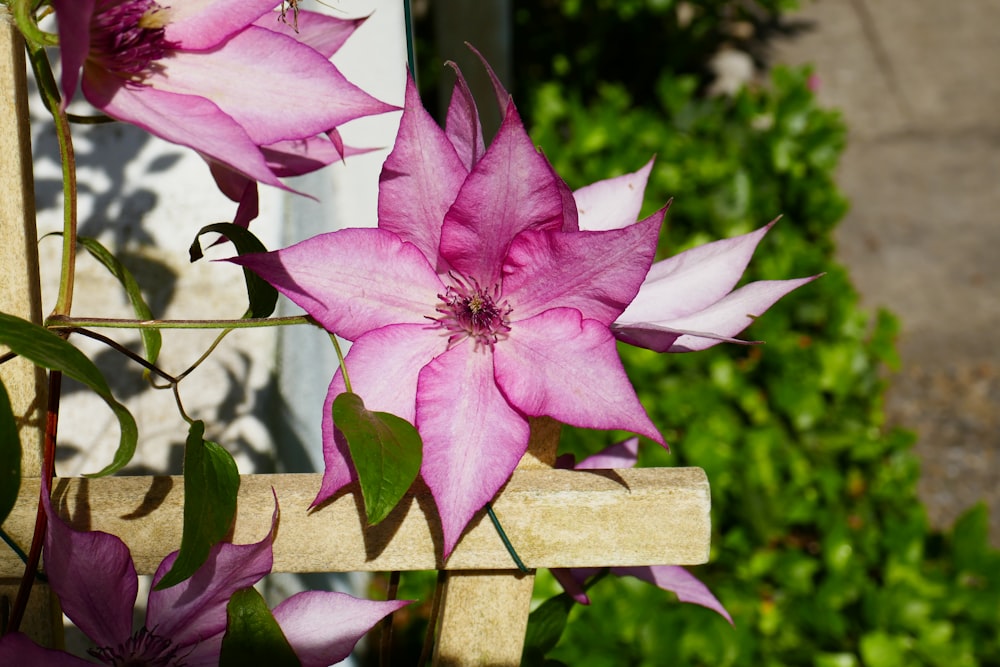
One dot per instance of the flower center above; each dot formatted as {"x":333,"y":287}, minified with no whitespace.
{"x":143,"y":649}
{"x":469,"y":311}
{"x":128,"y":37}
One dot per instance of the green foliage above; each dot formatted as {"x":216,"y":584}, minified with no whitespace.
{"x":821,"y":549}
{"x":10,"y":456}
{"x":211,"y":483}
{"x":252,"y":636}
{"x":44,"y":348}
{"x":386,"y":451}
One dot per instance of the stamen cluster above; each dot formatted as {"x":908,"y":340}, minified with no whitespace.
{"x":469,"y":311}
{"x":143,"y":649}
{"x":128,"y":37}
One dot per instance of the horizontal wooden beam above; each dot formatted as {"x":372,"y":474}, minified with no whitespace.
{"x":554,"y":518}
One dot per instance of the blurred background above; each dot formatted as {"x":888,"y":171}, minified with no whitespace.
{"x":853,"y":458}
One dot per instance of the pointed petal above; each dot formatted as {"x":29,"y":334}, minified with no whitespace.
{"x":323,"y":627}
{"x":503,"y":97}
{"x":18,"y":649}
{"x":598,"y":273}
{"x":353,"y":280}
{"x":203,"y":24}
{"x":571,"y":584}
{"x":677,"y":580}
{"x":420,"y":179}
{"x":510,"y":190}
{"x":321,"y":32}
{"x":73,"y":22}
{"x":295,"y":157}
{"x":189,"y":121}
{"x":565,"y":367}
{"x":462,"y":124}
{"x":472,"y":438}
{"x":296,"y":92}
{"x":93,"y":575}
{"x":693,"y":279}
{"x":571,"y":218}
{"x":194,"y":610}
{"x":721,"y":320}
{"x":383,"y":366}
{"x":620,"y":455}
{"x":613,"y":203}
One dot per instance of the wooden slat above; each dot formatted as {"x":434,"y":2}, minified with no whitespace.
{"x":555,"y":518}
{"x":20,"y":296}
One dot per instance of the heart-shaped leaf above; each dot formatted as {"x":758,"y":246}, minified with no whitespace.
{"x":386,"y":452}
{"x":252,"y":636}
{"x":211,"y":482}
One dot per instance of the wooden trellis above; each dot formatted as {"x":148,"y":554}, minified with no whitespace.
{"x":555,"y":518}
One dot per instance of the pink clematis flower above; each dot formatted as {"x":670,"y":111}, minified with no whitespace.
{"x":95,"y":579}
{"x":687,"y":301}
{"x":672,"y":578}
{"x":225,"y":77}
{"x":474,"y":305}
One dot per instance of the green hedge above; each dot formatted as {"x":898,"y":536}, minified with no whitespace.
{"x":821,"y":549}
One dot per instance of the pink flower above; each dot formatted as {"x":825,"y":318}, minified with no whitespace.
{"x":687,"y":302}
{"x":224,"y":77}
{"x":672,"y":578}
{"x":95,"y":579}
{"x":474,"y":305}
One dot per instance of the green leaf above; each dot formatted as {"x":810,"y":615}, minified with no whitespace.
{"x":386,"y":452}
{"x":44,"y":348}
{"x":252,"y":636}
{"x":151,"y":338}
{"x":545,"y":627}
{"x":10,"y":456}
{"x":262,"y":295}
{"x":211,"y":482}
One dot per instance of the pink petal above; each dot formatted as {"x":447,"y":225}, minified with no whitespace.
{"x":512,"y":189}
{"x":203,"y":24}
{"x":73,"y":23}
{"x":565,"y":367}
{"x":383,"y":366}
{"x":194,"y":611}
{"x":420,"y":179}
{"x":472,"y":438}
{"x":323,"y":627}
{"x":181,"y":119}
{"x":677,"y":580}
{"x":598,"y":273}
{"x":620,"y":455}
{"x":93,"y":575}
{"x":17,"y":649}
{"x":720,"y":321}
{"x":321,"y":32}
{"x":295,"y":93}
{"x":462,"y":125}
{"x":571,"y":583}
{"x":613,"y":203}
{"x":295,"y":157}
{"x":353,"y":280}
{"x":693,"y":279}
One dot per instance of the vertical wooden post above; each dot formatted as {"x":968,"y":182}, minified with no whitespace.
{"x":484,"y":613}
{"x":20,"y":294}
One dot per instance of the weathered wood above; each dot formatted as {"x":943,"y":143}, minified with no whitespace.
{"x":20,"y":295}
{"x":556,"y":518}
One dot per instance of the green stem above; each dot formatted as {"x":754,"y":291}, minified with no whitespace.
{"x":65,"y":322}
{"x":343,"y":366}
{"x":506,"y":541}
{"x":203,"y":357}
{"x":23,"y":13}
{"x":50,"y":95}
